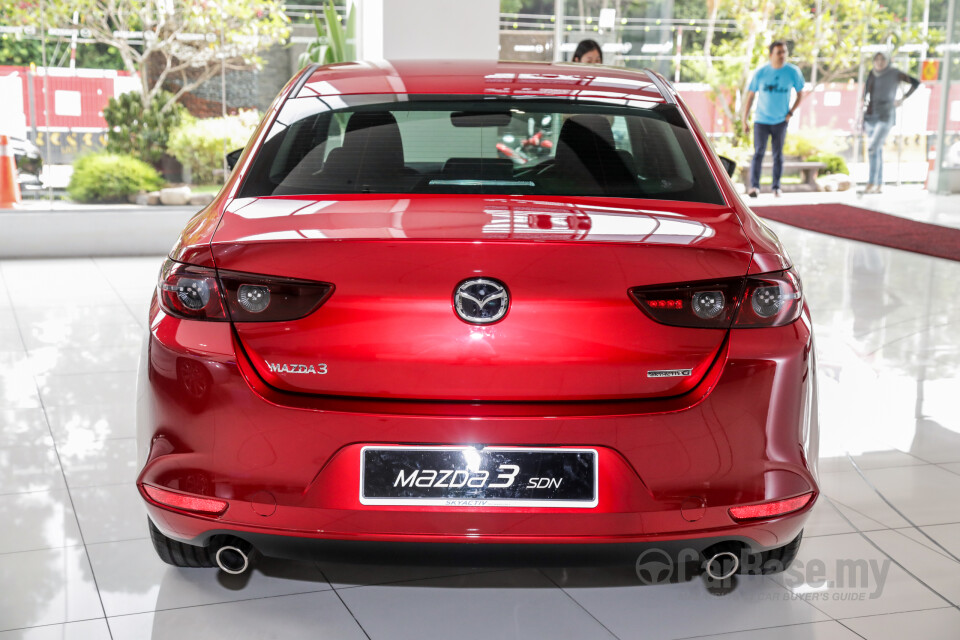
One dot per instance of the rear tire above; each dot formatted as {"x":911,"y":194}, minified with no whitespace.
{"x":773,"y":561}
{"x":179,"y":554}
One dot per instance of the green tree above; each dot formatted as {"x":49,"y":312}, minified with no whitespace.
{"x":830,"y":41}
{"x":98,"y":56}
{"x":19,"y":50}
{"x":140,"y":132}
{"x":176,"y":42}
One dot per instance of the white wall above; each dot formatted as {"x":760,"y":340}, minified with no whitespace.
{"x":429,"y":29}
{"x":13,"y":122}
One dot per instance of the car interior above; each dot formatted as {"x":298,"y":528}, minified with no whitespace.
{"x":446,"y":150}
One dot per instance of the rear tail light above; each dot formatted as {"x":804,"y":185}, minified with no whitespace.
{"x":197,"y":293}
{"x":253,"y":298}
{"x":190,"y":292}
{"x":770,"y":300}
{"x":709,"y":306}
{"x":185,"y":501}
{"x":770,"y":509}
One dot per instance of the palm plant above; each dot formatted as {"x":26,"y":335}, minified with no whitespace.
{"x":335,"y":41}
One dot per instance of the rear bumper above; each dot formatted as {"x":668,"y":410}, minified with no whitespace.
{"x":276,"y":540}
{"x":288,"y":465}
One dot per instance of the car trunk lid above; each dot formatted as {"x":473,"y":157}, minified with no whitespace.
{"x":391,"y":330}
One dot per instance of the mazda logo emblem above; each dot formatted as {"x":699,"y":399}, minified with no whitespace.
{"x":481,"y":300}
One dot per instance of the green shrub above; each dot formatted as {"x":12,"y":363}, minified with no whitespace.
{"x":725,"y":146}
{"x":110,"y":177}
{"x":835,"y":164}
{"x":810,"y":142}
{"x":138,"y":132}
{"x":199,"y":144}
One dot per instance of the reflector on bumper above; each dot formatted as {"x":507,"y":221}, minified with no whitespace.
{"x":770,"y":509}
{"x":184,"y":501}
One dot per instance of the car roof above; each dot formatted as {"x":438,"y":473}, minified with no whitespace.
{"x":481,"y":78}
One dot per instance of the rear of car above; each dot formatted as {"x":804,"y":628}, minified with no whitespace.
{"x":29,"y":163}
{"x":493,"y":307}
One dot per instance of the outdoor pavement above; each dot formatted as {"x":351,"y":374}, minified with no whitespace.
{"x":76,"y":562}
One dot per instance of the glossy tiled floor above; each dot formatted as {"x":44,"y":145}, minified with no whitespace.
{"x":75,"y":561}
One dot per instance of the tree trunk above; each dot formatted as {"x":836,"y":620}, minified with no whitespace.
{"x":713,"y":7}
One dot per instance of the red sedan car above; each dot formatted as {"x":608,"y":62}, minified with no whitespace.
{"x":399,"y":322}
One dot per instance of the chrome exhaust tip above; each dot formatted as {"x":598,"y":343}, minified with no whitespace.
{"x":721,"y":565}
{"x":233,"y":558}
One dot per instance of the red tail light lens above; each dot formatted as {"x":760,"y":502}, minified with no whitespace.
{"x":253,"y":298}
{"x":709,"y":305}
{"x":770,"y":300}
{"x":190,"y":292}
{"x":770,"y":509}
{"x":197,"y":293}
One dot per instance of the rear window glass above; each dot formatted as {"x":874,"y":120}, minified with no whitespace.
{"x":420,"y":144}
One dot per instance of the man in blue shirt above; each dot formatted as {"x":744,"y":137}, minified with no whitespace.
{"x":774,"y":83}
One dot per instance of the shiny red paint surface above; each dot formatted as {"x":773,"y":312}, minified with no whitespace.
{"x":571,"y":332}
{"x":461,"y":77}
{"x":565,"y":368}
{"x":215,"y":430}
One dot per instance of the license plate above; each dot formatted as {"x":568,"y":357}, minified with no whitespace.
{"x":472,"y":477}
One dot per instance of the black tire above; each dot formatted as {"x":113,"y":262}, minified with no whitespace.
{"x":178,"y":553}
{"x":773,"y":561}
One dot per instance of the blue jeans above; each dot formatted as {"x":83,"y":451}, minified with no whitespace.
{"x":777,"y":133}
{"x":876,"y":131}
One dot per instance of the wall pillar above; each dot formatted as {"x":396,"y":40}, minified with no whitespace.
{"x":428,"y":29}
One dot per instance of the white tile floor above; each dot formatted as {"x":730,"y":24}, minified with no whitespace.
{"x":75,"y":561}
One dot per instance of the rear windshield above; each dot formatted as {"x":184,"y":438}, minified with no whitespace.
{"x":424,"y":144}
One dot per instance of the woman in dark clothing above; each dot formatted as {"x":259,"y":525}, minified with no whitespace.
{"x":588,"y":52}
{"x":880,"y":103}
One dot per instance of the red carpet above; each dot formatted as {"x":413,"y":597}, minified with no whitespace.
{"x":869,"y":226}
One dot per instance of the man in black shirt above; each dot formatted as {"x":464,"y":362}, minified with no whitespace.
{"x":879,"y":112}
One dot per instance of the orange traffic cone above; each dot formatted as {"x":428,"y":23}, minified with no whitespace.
{"x":9,"y":187}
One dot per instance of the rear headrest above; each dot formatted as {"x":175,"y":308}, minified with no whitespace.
{"x":371,"y":154}
{"x":367,"y":119}
{"x":376,"y":129}
{"x":581,"y":129}
{"x":587,"y":155}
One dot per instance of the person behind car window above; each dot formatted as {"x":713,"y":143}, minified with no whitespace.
{"x":588,"y":52}
{"x":880,"y":104}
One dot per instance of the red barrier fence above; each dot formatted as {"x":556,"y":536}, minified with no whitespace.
{"x":73,"y":100}
{"x":68,"y":99}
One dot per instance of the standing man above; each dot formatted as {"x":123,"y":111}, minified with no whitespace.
{"x":773,"y":82}
{"x":880,"y":104}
